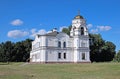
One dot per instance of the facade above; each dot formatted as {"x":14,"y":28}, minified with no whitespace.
{"x":58,"y":47}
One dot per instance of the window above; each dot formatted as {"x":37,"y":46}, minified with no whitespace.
{"x":82,"y":31}
{"x":59,"y":55}
{"x":83,"y":44}
{"x":64,"y":44}
{"x":59,"y":44}
{"x":83,"y":56}
{"x":64,"y":55}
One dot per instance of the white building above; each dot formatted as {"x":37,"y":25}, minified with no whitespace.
{"x":57,"y":47}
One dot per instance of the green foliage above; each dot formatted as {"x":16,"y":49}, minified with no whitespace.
{"x":100,"y":50}
{"x":15,"y":52}
{"x":67,"y":30}
{"x":117,"y":57}
{"x":6,"y":51}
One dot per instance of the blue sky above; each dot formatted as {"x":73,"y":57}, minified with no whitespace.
{"x":21,"y":19}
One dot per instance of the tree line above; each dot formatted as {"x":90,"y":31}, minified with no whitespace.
{"x":15,"y":52}
{"x":100,"y":50}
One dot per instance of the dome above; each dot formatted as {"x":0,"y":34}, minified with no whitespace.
{"x":78,"y":17}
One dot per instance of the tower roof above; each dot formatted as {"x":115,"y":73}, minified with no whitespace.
{"x":78,"y":17}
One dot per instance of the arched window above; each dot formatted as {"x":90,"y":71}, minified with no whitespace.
{"x":59,"y":44}
{"x":64,"y":44}
{"x":59,"y":55}
{"x":82,"y":31}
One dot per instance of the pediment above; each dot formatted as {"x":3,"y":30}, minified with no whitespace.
{"x":62,"y":35}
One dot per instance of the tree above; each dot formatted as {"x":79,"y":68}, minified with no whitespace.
{"x":6,"y":51}
{"x":22,"y":50}
{"x":18,"y":52}
{"x":117,"y":57}
{"x":2,"y":58}
{"x":15,"y":52}
{"x":95,"y":47}
{"x":67,"y":30}
{"x":27,"y":46}
{"x":100,"y":50}
{"x":108,"y":51}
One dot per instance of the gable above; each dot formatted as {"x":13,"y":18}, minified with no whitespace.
{"x":62,"y":35}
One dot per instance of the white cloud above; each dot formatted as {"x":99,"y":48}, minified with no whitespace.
{"x":104,"y":28}
{"x":33,"y":30}
{"x":98,"y":28}
{"x":89,"y":26}
{"x":17,"y":33}
{"x":62,"y":28}
{"x":94,"y":31}
{"x":17,"y":22}
{"x":40,"y":32}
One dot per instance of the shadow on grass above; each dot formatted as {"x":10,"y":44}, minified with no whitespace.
{"x":4,"y":63}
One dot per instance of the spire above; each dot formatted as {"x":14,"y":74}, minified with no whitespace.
{"x":78,"y":12}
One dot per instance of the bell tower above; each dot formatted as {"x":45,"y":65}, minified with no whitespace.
{"x":78,"y":26}
{"x":79,"y":32}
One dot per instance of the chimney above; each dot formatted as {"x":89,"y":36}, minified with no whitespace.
{"x":54,"y":30}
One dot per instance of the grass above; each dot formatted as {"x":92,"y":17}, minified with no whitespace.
{"x":60,"y":71}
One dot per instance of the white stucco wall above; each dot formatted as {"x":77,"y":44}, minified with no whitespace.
{"x":45,"y":47}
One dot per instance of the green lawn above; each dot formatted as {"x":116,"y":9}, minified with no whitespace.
{"x":60,"y":71}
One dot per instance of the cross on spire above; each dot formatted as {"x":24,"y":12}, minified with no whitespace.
{"x":78,"y":12}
